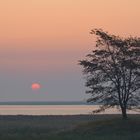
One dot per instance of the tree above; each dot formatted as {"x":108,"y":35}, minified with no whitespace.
{"x":112,"y":72}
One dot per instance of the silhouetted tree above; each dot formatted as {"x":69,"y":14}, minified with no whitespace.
{"x":113,"y":72}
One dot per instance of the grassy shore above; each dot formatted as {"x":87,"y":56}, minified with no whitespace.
{"x":75,"y":127}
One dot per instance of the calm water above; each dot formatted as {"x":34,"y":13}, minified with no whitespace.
{"x":51,"y":109}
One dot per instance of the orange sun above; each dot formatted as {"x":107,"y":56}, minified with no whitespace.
{"x":35,"y":86}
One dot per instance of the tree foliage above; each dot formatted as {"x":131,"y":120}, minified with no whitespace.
{"x":112,"y":71}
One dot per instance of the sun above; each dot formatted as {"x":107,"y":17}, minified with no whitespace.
{"x":35,"y":86}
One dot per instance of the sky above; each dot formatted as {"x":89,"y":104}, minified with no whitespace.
{"x":41,"y":42}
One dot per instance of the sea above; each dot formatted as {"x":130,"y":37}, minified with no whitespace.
{"x":52,"y":108}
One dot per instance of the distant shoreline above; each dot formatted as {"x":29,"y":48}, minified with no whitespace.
{"x":46,"y":103}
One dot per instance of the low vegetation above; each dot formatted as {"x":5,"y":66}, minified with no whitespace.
{"x":78,"y":127}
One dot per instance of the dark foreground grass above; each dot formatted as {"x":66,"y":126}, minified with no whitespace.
{"x":78,"y":127}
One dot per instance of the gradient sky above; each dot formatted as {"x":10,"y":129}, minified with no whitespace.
{"x":42,"y":40}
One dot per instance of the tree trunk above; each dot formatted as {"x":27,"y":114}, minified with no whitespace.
{"x":124,"y":114}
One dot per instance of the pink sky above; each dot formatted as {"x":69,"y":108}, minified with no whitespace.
{"x":50,"y":36}
{"x":59,"y":29}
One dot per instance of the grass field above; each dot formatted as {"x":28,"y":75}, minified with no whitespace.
{"x":75,"y":127}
